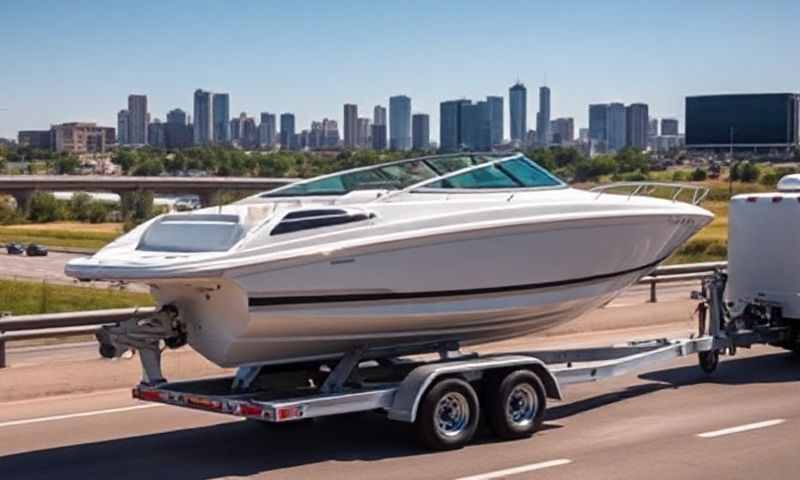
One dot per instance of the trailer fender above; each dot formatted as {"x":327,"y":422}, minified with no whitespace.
{"x":411,"y":390}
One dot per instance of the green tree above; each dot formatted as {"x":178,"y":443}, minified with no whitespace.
{"x":79,"y":206}
{"x":698,"y":175}
{"x":631,"y":160}
{"x":66,"y":164}
{"x":748,"y":172}
{"x":45,"y":208}
{"x":150,"y":167}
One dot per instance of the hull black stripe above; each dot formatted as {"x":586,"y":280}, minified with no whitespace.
{"x":366,"y":297}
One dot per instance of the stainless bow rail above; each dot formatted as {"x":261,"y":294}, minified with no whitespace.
{"x":699,"y":193}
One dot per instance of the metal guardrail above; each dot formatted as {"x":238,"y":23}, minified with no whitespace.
{"x":53,"y":325}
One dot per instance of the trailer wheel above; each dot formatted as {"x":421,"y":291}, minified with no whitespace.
{"x":448,"y":415}
{"x":709,"y":361}
{"x":516,"y":405}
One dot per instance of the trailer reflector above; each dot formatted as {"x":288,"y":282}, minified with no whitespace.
{"x":249,"y":410}
{"x":289,"y":413}
{"x":147,"y":395}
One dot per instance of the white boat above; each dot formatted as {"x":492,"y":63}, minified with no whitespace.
{"x":464,"y":248}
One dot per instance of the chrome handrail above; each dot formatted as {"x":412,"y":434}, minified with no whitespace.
{"x":699,"y":193}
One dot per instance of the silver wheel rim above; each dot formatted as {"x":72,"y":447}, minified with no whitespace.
{"x":452,"y":414}
{"x":521,"y":405}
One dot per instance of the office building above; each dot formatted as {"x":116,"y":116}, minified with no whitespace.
{"x":637,"y":125}
{"x":616,"y":127}
{"x":41,"y":139}
{"x":363,"y":132}
{"x":495,"y":105}
{"x":598,"y":122}
{"x":123,"y":127}
{"x":137,"y":119}
{"x":762,"y":122}
{"x":400,"y":122}
{"x":249,"y":132}
{"x":562,"y":131}
{"x":379,"y":115}
{"x":450,"y":125}
{"x":378,"y":133}
{"x":82,"y":137}
{"x":177,"y":133}
{"x":420,"y":132}
{"x":652,"y":130}
{"x":157,"y":134}
{"x":203,"y":129}
{"x":583,"y":135}
{"x":518,"y":109}
{"x":474,"y":126}
{"x":350,"y":125}
{"x":330,"y":130}
{"x":221,"y":109}
{"x":543,"y":117}
{"x":287,"y":131}
{"x":267,"y":130}
{"x":669,"y":126}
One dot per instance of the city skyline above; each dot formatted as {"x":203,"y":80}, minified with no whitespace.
{"x":62,"y":69}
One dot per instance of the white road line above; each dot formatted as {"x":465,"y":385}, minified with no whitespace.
{"x":741,"y":428}
{"x":14,"y":423}
{"x":517,"y":470}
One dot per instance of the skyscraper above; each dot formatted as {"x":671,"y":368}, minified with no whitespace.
{"x":363,"y":132}
{"x":518,"y":109}
{"x":562,"y":131}
{"x":450,"y":124}
{"x":400,"y":122}
{"x":543,"y":117}
{"x":287,"y":131}
{"x":330,"y":133}
{"x":123,"y":122}
{"x":495,"y":105}
{"x":420,"y":132}
{"x":378,"y":137}
{"x":157,"y":134}
{"x":598,"y":122}
{"x":266,"y":130}
{"x":636,"y":125}
{"x":222,"y":115}
{"x":137,"y":119}
{"x":474,"y":128}
{"x":203,"y":129}
{"x":176,"y":130}
{"x":669,"y":126}
{"x":350,"y":125}
{"x":616,"y":127}
{"x":249,"y":138}
{"x":379,"y":115}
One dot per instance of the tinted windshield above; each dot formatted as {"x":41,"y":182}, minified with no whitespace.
{"x":515,"y":172}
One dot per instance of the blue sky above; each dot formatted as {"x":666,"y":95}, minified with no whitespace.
{"x":79,"y":59}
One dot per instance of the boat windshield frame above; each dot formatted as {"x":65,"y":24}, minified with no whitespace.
{"x":421,"y":186}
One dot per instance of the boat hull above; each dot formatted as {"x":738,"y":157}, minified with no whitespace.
{"x":490,"y":285}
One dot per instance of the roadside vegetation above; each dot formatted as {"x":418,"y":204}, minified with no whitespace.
{"x":25,"y":298}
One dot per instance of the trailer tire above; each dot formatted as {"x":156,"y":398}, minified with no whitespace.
{"x":448,"y":415}
{"x":708,"y":361}
{"x":516,"y":405}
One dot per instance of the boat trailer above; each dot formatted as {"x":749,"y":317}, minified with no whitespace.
{"x":445,"y":392}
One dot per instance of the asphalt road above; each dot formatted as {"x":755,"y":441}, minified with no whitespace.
{"x":673,"y":422}
{"x":49,"y":268}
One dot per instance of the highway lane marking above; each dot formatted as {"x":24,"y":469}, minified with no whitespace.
{"x":28,"y":421}
{"x":517,"y":470}
{"x":742,"y":428}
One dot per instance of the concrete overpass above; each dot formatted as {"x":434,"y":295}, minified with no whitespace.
{"x":22,"y":187}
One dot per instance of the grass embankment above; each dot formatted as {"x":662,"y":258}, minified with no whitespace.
{"x":63,"y":234}
{"x":24,"y":298}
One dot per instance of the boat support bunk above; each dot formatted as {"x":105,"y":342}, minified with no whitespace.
{"x":444,"y":393}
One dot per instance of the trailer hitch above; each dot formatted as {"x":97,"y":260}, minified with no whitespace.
{"x":145,"y":336}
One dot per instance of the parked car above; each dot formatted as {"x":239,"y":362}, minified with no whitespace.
{"x":15,"y":249}
{"x":35,"y":250}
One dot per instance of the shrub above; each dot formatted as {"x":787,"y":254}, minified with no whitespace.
{"x":698,"y":175}
{"x":45,"y":208}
